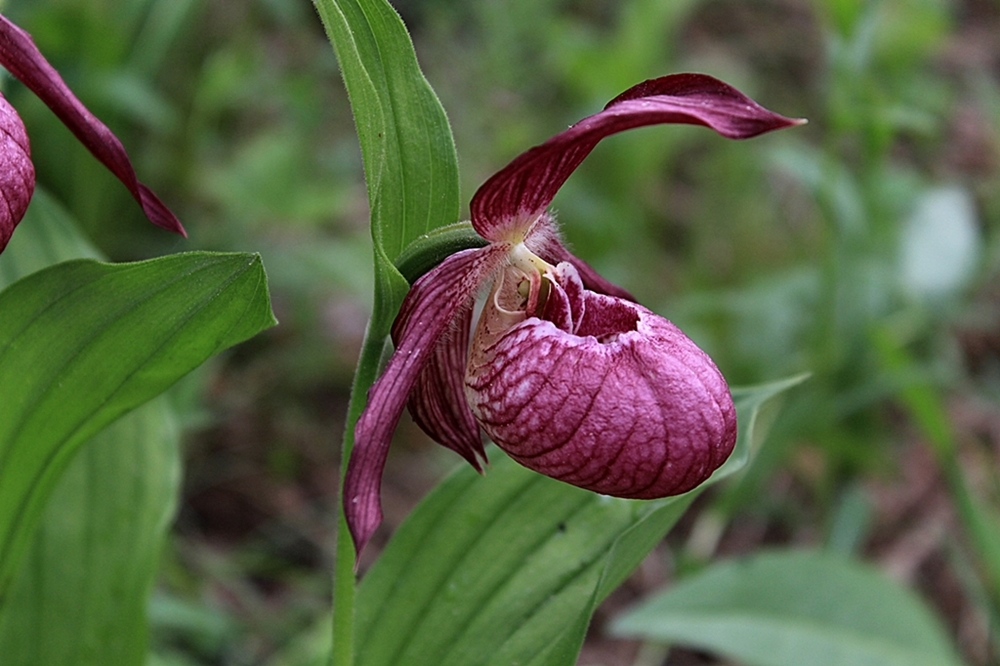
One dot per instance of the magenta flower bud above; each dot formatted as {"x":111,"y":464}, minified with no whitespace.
{"x":20,"y":56}
{"x":564,"y":372}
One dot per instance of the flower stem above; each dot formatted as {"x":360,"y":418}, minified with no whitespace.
{"x":343,"y":597}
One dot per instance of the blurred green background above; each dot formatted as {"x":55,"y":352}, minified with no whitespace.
{"x":863,"y":247}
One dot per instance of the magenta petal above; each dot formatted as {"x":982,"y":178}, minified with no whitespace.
{"x":437,"y":402}
{"x":17,"y":173}
{"x":22,"y":58}
{"x":566,"y":304}
{"x":427,"y":312}
{"x":628,"y":407}
{"x":522,"y":190}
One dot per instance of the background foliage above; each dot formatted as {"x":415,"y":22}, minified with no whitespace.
{"x":863,"y":248}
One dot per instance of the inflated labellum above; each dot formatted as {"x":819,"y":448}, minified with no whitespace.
{"x":599,"y":392}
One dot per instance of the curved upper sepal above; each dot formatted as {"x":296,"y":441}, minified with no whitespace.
{"x":524,"y":188}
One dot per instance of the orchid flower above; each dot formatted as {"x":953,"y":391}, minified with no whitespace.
{"x":564,"y":371}
{"x":20,"y":56}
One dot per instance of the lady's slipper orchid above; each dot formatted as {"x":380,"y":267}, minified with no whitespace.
{"x":20,"y":56}
{"x":564,"y":371}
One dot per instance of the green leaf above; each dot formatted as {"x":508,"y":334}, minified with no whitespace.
{"x":82,"y":343}
{"x":406,"y":142}
{"x":509,"y":568}
{"x":79,"y":598}
{"x":80,"y":594}
{"x":411,"y":167}
{"x":409,"y":154}
{"x":795,"y":608}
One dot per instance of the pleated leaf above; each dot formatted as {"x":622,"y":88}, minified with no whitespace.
{"x":83,"y":342}
{"x":80,"y":594}
{"x":508,"y":568}
{"x":79,"y":597}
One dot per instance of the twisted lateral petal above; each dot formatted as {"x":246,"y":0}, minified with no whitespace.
{"x":437,"y":402}
{"x":628,"y":406}
{"x":20,"y":56}
{"x":17,"y":173}
{"x":513,"y":197}
{"x":427,"y":312}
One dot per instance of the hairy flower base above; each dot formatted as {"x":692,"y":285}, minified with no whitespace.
{"x":614,"y":398}
{"x":564,"y":372}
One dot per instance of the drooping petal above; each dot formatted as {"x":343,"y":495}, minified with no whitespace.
{"x":17,"y":173}
{"x":437,"y":401}
{"x":628,"y":406}
{"x":518,"y":193}
{"x":427,"y":312}
{"x":20,"y":56}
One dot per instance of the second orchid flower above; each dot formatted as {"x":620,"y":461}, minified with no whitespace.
{"x":20,"y":56}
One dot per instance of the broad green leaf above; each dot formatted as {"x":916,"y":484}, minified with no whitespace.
{"x":508,"y":568}
{"x":83,"y":342}
{"x":795,"y":608}
{"x":79,"y":598}
{"x":80,"y":594}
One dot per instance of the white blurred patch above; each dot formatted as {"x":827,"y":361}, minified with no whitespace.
{"x":940,"y":245}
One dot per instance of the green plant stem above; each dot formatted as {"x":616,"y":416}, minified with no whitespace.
{"x":343,"y":573}
{"x":342,"y":653}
